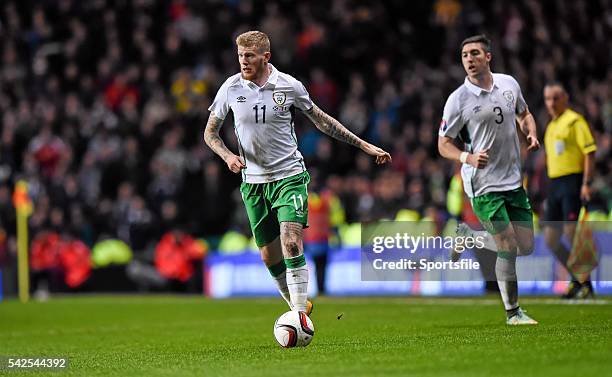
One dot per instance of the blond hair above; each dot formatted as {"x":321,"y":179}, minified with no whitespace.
{"x":255,"y":39}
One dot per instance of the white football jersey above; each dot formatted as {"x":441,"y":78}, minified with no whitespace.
{"x":263,"y":123}
{"x":486,"y":120}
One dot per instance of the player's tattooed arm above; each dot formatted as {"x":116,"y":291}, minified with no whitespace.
{"x":330,"y":126}
{"x":291,"y":235}
{"x":212,"y":138}
{"x":214,"y":141}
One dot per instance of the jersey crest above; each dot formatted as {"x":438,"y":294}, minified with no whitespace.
{"x":279,"y":98}
{"x":509,"y":99}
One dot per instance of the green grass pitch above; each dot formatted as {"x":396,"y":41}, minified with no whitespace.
{"x":193,"y":336}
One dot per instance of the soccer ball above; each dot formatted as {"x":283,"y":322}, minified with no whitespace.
{"x":293,"y":329}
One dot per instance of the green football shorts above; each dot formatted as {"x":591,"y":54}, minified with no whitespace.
{"x":496,"y":210}
{"x":269,"y":204}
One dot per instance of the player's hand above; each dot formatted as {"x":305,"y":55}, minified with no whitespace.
{"x":381,"y":156}
{"x":585,"y":193}
{"x":534,"y":144}
{"x":235,"y":163}
{"x":479,"y":159}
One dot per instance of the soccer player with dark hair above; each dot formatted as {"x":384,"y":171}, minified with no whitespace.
{"x":482,"y":114}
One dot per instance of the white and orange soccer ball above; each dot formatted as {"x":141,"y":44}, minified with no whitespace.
{"x":293,"y":329}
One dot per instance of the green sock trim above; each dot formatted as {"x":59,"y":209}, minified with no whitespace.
{"x":507,"y":255}
{"x":296,"y":262}
{"x":277,"y":269}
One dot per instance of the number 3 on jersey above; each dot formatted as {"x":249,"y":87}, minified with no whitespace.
{"x":500,"y":115}
{"x":263,"y":111}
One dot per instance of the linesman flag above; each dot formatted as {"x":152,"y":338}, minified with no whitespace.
{"x":21,"y":200}
{"x":583,"y":258}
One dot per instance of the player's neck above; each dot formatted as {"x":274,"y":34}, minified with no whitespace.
{"x":263,"y":79}
{"x":484,"y":80}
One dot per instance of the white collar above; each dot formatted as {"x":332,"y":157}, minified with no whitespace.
{"x":475,"y":89}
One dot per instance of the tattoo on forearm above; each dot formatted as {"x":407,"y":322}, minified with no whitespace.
{"x":212,"y":138}
{"x":291,"y":236}
{"x":330,"y":126}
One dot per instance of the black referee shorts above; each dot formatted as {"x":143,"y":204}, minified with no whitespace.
{"x":563,"y":201}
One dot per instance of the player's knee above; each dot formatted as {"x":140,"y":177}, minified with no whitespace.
{"x":507,"y":242}
{"x":267,"y":258}
{"x":525,"y":243}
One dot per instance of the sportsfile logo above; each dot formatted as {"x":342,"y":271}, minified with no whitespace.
{"x":241,"y":99}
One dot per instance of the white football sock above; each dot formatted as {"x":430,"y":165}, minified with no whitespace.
{"x":279,"y":274}
{"x":281,"y":284}
{"x":297,"y":282}
{"x":505,"y":269}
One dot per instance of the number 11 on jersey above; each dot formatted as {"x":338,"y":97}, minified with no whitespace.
{"x":263,"y":110}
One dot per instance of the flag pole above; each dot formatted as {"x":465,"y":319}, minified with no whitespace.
{"x":23,"y":208}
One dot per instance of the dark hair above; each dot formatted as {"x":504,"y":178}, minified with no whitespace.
{"x":552,"y":83}
{"x":480,"y":38}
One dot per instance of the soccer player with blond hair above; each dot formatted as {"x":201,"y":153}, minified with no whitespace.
{"x":274,"y":188}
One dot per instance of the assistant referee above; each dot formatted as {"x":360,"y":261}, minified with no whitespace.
{"x":570,"y":160}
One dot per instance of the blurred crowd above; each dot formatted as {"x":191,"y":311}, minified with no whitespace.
{"x":103,"y":103}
